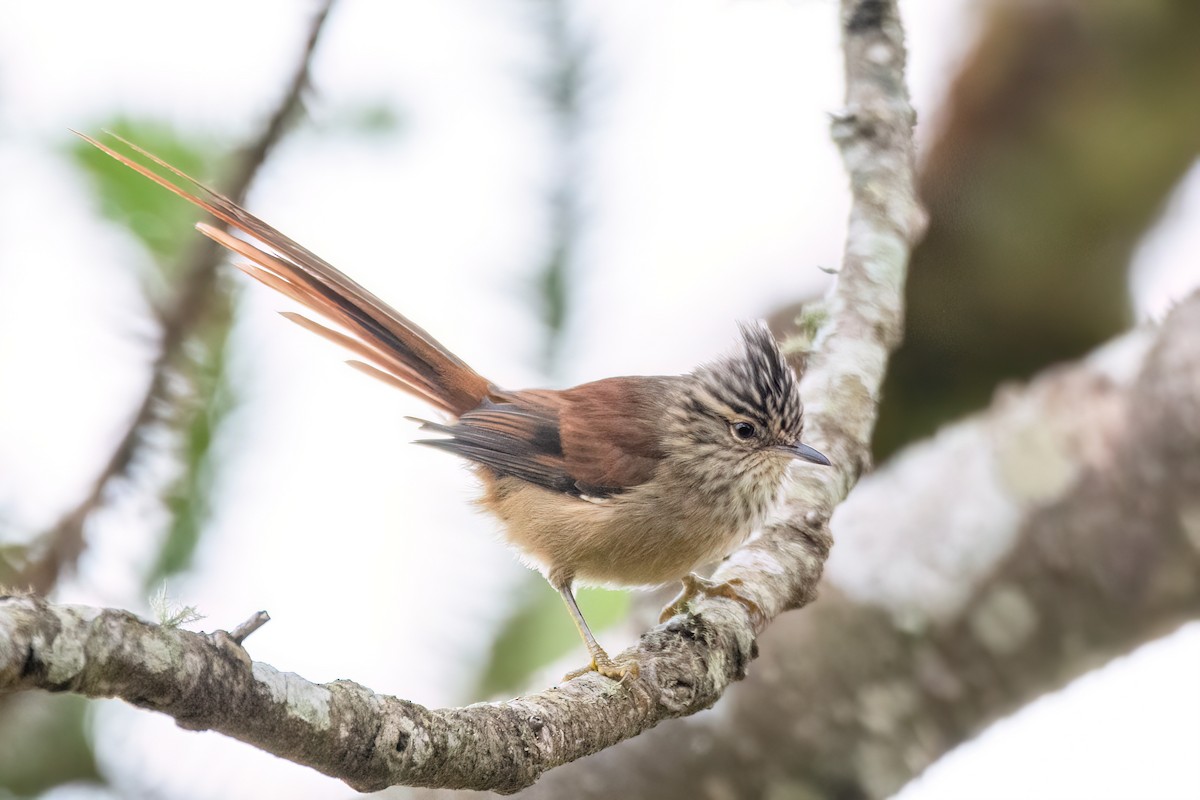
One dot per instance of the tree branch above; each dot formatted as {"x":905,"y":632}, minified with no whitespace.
{"x":979,"y":569}
{"x":59,"y":549}
{"x":1081,"y":541}
{"x":373,"y":741}
{"x":863,"y":312}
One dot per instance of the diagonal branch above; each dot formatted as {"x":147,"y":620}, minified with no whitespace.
{"x":372,"y":741}
{"x":59,"y":549}
{"x":978,"y":569}
{"x":1045,"y":576}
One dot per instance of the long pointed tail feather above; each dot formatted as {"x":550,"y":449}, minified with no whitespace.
{"x":392,"y":347}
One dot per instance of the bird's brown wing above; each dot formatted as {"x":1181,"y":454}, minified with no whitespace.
{"x":613,"y":435}
{"x":594,"y":441}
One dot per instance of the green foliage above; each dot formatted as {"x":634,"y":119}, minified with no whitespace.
{"x":199,"y":417}
{"x":376,"y":119}
{"x":807,"y":324}
{"x":540,"y":631}
{"x":160,"y":221}
{"x":44,"y":743}
{"x":553,"y":289}
{"x":200,"y":396}
{"x":13,"y":557}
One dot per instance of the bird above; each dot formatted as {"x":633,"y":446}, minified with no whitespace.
{"x":631,"y":481}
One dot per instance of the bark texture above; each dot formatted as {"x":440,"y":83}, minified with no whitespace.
{"x":997,"y":561}
{"x":1080,"y":540}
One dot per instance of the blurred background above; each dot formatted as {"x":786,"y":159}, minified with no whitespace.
{"x":558,"y":190}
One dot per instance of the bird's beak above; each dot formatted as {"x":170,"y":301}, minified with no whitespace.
{"x":801,"y":450}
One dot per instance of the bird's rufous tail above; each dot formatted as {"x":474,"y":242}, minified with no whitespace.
{"x":391,"y":347}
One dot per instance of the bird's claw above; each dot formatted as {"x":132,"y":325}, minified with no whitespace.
{"x":694,"y":586}
{"x":618,"y":671}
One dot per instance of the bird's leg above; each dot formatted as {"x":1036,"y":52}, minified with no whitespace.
{"x":600,"y":660}
{"x":694,"y":586}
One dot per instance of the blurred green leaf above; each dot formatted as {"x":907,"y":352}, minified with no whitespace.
{"x":45,"y":743}
{"x":369,"y":119}
{"x":540,"y":631}
{"x":553,"y":286}
{"x":199,"y":417}
{"x":161,"y":221}
{"x":376,"y":119}
{"x":13,"y":557}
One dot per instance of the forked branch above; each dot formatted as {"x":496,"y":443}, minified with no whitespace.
{"x":372,"y":741}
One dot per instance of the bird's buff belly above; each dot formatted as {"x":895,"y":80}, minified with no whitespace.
{"x":623,"y":541}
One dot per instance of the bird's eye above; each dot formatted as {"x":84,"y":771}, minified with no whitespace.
{"x":742,"y":430}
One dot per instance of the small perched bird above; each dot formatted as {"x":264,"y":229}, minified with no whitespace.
{"x":628,"y":481}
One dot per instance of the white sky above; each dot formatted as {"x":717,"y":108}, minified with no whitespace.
{"x":711,"y":183}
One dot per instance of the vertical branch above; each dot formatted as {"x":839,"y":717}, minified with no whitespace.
{"x":862,"y":317}
{"x":866,"y":306}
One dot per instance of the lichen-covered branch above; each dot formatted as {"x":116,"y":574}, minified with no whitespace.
{"x":372,"y":741}
{"x":979,"y":569}
{"x":862,"y":315}
{"x":1081,"y":540}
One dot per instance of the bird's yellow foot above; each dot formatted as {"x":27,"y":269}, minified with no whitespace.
{"x":616,"y":670}
{"x":694,"y":586}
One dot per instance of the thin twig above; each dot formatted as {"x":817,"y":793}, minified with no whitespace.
{"x":59,"y":549}
{"x":243,"y":631}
